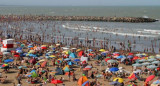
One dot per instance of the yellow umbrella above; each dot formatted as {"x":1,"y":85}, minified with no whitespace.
{"x":41,"y":60}
{"x":120,"y":80}
{"x":78,"y":50}
{"x":102,"y":50}
{"x":52,"y":56}
{"x":31,"y":51}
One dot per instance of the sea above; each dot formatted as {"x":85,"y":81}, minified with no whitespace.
{"x":143,"y":36}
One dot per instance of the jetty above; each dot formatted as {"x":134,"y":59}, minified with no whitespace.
{"x":74,"y":18}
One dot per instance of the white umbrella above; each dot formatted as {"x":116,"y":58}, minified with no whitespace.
{"x":146,"y":63}
{"x":152,"y":59}
{"x":155,"y":62}
{"x":142,"y":60}
{"x":65,"y":48}
{"x":151,"y":66}
{"x":6,"y":53}
{"x":137,"y":65}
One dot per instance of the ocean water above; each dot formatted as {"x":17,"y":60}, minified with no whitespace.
{"x":146,"y":35}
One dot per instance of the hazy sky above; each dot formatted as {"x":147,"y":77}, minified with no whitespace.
{"x":79,"y":2}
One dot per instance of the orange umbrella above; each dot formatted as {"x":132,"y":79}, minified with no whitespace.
{"x":44,"y":64}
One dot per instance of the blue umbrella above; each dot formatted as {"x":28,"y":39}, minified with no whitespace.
{"x":121,"y":56}
{"x":19,"y":48}
{"x":30,"y":46}
{"x":115,"y":83}
{"x":77,"y":60}
{"x":103,"y":54}
{"x":72,"y":55}
{"x":19,"y":51}
{"x":90,"y":50}
{"x":8,"y":60}
{"x":70,"y":63}
{"x":113,"y":69}
{"x":130,"y":56}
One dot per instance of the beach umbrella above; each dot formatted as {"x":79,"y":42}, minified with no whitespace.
{"x":130,"y":56}
{"x":19,"y":51}
{"x":156,"y":82}
{"x":76,"y":60}
{"x":31,"y":51}
{"x":103,"y":54}
{"x":72,"y":55}
{"x":56,"y":81}
{"x":58,"y":44}
{"x":70,"y":63}
{"x":107,"y":59}
{"x":113,"y":69}
{"x":67,"y":59}
{"x":6,"y":53}
{"x":142,"y":60}
{"x":74,"y":48}
{"x":30,"y":46}
{"x":32,"y":61}
{"x":8,"y":60}
{"x":52,"y":56}
{"x":149,"y":78}
{"x":88,"y":67}
{"x":80,"y":53}
{"x":102,"y":50}
{"x":120,"y":57}
{"x":158,"y":57}
{"x":152,"y":59}
{"x":123,"y":59}
{"x":22,"y":45}
{"x":65,"y":48}
{"x":44,"y":64}
{"x":34,"y":75}
{"x":137,"y":65}
{"x":146,"y":63}
{"x":139,"y":55}
{"x":78,"y":50}
{"x":151,"y":67}
{"x":156,"y":62}
{"x":19,"y":48}
{"x":135,"y":58}
{"x":115,"y":83}
{"x":111,"y":61}
{"x":22,"y":67}
{"x":120,"y":80}
{"x":4,"y":65}
{"x":130,"y":53}
{"x":90,"y":50}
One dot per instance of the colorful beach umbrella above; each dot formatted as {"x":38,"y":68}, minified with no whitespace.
{"x":149,"y":78}
{"x":120,"y":80}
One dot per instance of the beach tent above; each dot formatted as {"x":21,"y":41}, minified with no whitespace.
{"x":81,"y":80}
{"x":72,"y":55}
{"x":84,"y":59}
{"x":66,"y":68}
{"x":59,"y":71}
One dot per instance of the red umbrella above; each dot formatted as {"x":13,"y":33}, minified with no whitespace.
{"x":135,"y":58}
{"x":16,"y":55}
{"x":107,"y":59}
{"x":80,"y":53}
{"x":149,"y":78}
{"x":56,"y":81}
{"x":130,"y":54}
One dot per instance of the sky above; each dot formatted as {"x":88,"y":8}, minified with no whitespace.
{"x":81,"y":2}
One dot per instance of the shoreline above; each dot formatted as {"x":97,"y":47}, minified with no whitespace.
{"x":10,"y":18}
